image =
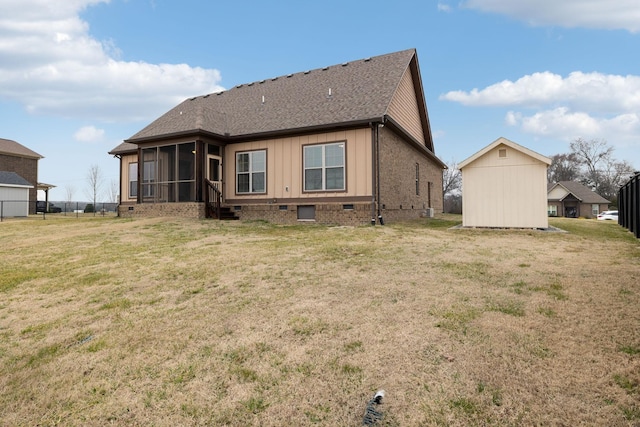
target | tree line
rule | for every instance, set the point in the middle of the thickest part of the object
(590, 162)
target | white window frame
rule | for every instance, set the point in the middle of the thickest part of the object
(132, 189)
(324, 167)
(253, 170)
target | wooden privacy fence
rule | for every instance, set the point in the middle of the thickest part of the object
(629, 205)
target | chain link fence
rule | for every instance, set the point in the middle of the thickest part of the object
(42, 209)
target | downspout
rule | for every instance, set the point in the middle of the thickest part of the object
(378, 127)
(375, 168)
(374, 184)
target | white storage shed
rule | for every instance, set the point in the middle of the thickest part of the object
(504, 185)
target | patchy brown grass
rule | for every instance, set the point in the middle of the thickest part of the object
(178, 322)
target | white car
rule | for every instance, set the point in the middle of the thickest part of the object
(608, 215)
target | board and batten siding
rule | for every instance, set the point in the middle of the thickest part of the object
(507, 191)
(404, 107)
(124, 180)
(285, 166)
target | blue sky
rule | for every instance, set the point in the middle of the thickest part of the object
(79, 76)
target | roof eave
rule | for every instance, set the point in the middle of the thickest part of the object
(22, 156)
(257, 135)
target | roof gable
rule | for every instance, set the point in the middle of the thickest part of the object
(13, 148)
(343, 94)
(408, 107)
(508, 143)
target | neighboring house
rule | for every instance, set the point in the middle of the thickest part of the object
(504, 185)
(573, 200)
(17, 158)
(14, 195)
(345, 144)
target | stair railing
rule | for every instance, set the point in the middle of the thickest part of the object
(213, 199)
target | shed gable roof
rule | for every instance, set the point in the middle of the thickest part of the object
(508, 143)
(339, 95)
(581, 192)
(13, 148)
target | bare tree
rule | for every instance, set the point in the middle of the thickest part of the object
(599, 170)
(612, 176)
(564, 167)
(95, 181)
(451, 188)
(113, 191)
(69, 189)
(592, 155)
(451, 178)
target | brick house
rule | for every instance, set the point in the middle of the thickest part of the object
(345, 144)
(573, 200)
(17, 158)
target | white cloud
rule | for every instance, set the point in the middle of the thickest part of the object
(592, 91)
(442, 7)
(50, 64)
(599, 14)
(590, 105)
(565, 124)
(89, 134)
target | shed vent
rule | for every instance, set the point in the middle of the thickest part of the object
(502, 153)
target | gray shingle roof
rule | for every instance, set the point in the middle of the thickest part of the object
(341, 94)
(582, 192)
(12, 178)
(8, 146)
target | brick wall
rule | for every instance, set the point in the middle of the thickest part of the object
(325, 213)
(183, 210)
(398, 180)
(26, 168)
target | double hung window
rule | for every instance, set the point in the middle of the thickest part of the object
(148, 178)
(133, 180)
(251, 169)
(324, 167)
